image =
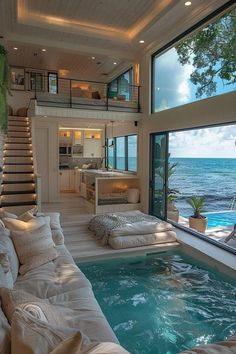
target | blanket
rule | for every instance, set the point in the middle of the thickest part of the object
(124, 224)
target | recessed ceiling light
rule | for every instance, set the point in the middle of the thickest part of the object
(93, 58)
(115, 63)
(141, 41)
(44, 50)
(187, 3)
(15, 48)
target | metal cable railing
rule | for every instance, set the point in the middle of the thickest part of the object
(72, 93)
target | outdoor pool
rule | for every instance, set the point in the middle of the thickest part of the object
(163, 303)
(222, 218)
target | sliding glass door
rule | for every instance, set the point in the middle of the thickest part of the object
(158, 174)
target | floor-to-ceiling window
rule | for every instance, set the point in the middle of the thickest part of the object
(201, 65)
(122, 153)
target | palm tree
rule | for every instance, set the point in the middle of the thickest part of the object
(198, 204)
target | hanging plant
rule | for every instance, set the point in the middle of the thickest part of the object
(4, 87)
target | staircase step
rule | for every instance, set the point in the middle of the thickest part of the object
(17, 153)
(17, 178)
(18, 146)
(14, 182)
(18, 168)
(18, 140)
(18, 123)
(17, 160)
(15, 192)
(14, 128)
(17, 118)
(15, 134)
(13, 204)
(18, 210)
(19, 187)
(18, 198)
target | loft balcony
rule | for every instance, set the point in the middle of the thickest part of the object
(86, 95)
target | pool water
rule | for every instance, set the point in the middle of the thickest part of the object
(223, 218)
(163, 303)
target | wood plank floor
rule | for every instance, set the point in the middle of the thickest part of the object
(78, 239)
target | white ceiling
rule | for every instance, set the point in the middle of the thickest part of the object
(73, 31)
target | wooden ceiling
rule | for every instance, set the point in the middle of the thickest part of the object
(72, 31)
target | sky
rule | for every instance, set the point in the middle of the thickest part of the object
(174, 88)
(214, 142)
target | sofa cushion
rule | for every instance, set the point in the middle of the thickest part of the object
(6, 279)
(54, 220)
(34, 247)
(58, 237)
(5, 334)
(6, 245)
(20, 225)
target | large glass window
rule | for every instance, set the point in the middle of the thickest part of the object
(110, 154)
(120, 88)
(196, 170)
(200, 66)
(52, 83)
(122, 153)
(132, 153)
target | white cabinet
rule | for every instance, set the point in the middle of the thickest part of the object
(77, 181)
(92, 148)
(67, 180)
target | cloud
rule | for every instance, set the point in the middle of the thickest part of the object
(172, 83)
(208, 142)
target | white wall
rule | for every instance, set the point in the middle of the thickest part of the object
(19, 99)
(45, 141)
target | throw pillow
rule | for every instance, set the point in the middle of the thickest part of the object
(58, 237)
(34, 247)
(96, 95)
(6, 246)
(54, 219)
(40, 309)
(19, 225)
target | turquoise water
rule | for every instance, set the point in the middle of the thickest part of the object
(226, 218)
(163, 303)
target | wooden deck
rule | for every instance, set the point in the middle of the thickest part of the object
(79, 240)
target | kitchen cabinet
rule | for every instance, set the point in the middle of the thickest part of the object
(67, 180)
(92, 148)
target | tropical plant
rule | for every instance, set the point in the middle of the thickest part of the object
(4, 87)
(211, 51)
(198, 204)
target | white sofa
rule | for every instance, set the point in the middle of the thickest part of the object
(79, 325)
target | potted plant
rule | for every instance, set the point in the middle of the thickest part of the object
(197, 221)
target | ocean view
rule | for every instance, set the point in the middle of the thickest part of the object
(214, 178)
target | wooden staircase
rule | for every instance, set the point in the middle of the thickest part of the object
(18, 186)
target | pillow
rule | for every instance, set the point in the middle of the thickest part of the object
(5, 334)
(6, 279)
(24, 217)
(32, 336)
(85, 94)
(54, 220)
(19, 225)
(40, 309)
(34, 247)
(6, 246)
(96, 95)
(58, 237)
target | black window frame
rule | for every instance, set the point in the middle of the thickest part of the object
(117, 79)
(126, 152)
(52, 73)
(177, 225)
(180, 37)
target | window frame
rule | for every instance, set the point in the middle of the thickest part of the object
(175, 224)
(117, 79)
(56, 74)
(178, 39)
(125, 150)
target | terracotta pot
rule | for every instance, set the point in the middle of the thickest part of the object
(198, 224)
(173, 215)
